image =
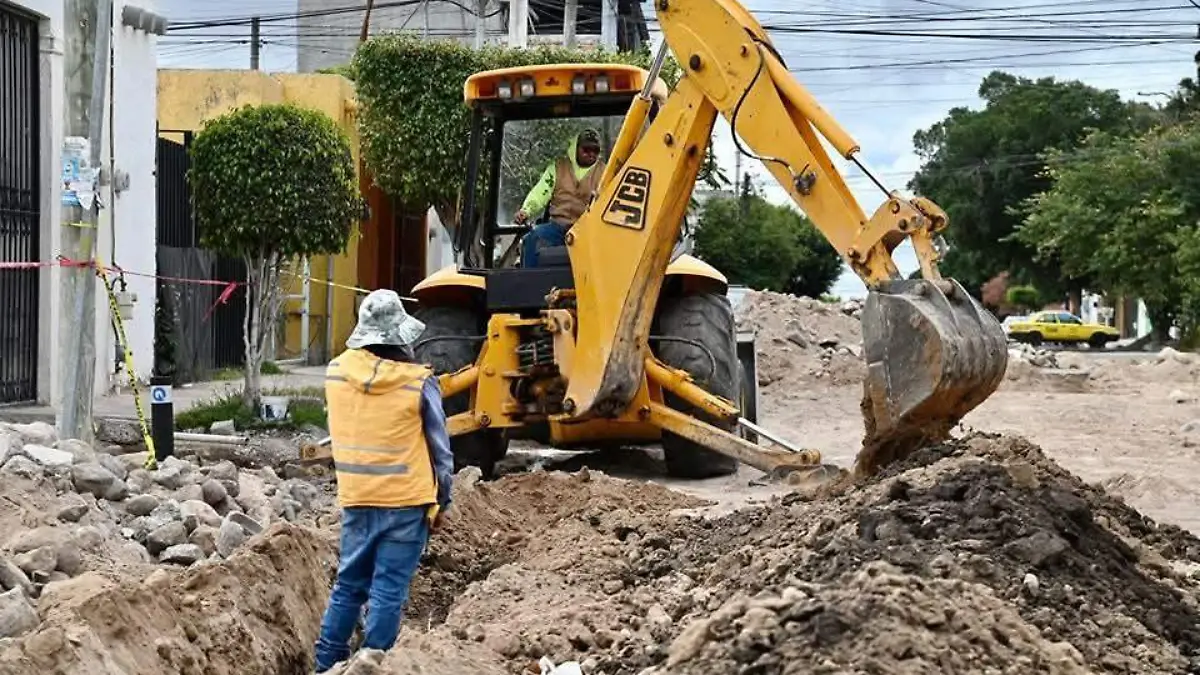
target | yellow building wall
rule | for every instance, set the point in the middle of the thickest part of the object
(187, 98)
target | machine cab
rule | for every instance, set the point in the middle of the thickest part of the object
(522, 120)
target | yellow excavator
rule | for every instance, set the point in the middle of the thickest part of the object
(619, 338)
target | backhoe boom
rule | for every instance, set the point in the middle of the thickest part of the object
(933, 354)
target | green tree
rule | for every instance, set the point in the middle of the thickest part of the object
(1123, 211)
(270, 183)
(1025, 297)
(764, 246)
(980, 164)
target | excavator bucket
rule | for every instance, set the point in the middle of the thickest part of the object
(933, 354)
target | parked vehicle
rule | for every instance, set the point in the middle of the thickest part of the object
(1061, 328)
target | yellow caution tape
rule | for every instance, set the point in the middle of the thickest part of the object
(151, 462)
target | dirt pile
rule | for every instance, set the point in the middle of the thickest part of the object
(802, 340)
(1058, 577)
(78, 524)
(976, 555)
(256, 614)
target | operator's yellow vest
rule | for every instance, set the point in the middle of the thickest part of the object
(572, 195)
(379, 449)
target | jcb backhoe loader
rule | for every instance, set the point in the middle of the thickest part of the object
(615, 338)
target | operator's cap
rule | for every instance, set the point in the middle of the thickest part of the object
(588, 137)
(382, 320)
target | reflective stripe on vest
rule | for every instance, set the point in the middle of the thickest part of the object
(378, 438)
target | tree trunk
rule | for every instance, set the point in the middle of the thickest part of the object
(1161, 319)
(263, 302)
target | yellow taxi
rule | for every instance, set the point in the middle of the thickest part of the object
(1062, 328)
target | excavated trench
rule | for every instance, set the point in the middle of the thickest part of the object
(1058, 576)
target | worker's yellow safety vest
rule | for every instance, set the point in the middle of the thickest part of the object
(379, 449)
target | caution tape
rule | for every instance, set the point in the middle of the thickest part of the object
(345, 287)
(151, 462)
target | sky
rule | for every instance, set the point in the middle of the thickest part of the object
(883, 68)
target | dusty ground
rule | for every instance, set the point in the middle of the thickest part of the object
(1051, 537)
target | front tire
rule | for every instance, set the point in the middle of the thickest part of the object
(1098, 341)
(446, 345)
(702, 324)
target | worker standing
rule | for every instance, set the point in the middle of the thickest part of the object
(566, 187)
(394, 467)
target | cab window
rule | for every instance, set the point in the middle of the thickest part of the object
(1045, 318)
(1067, 317)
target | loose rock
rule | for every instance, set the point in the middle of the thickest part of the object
(22, 466)
(229, 538)
(141, 505)
(48, 457)
(166, 536)
(182, 554)
(213, 491)
(17, 616)
(92, 478)
(72, 508)
(40, 560)
(37, 433)
(195, 513)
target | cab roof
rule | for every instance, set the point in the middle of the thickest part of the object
(553, 81)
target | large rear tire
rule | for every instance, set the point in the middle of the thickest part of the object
(693, 320)
(451, 349)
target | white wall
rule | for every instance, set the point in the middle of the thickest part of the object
(439, 251)
(130, 217)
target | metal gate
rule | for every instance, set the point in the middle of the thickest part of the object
(20, 205)
(195, 334)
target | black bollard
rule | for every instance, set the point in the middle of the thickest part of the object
(162, 417)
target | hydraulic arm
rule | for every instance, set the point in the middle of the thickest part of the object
(933, 354)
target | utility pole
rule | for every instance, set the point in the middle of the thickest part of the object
(518, 23)
(480, 23)
(87, 32)
(255, 42)
(426, 8)
(608, 23)
(570, 18)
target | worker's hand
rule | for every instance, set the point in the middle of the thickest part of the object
(521, 217)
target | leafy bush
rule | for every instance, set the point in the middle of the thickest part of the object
(1025, 297)
(765, 246)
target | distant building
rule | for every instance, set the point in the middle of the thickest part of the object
(328, 40)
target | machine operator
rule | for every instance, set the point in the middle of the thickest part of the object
(566, 187)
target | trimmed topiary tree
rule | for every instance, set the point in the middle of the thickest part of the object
(269, 183)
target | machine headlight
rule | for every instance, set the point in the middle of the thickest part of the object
(601, 84)
(527, 87)
(578, 85)
(504, 88)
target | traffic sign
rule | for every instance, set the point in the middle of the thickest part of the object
(160, 393)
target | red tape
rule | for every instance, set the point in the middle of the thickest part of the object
(229, 287)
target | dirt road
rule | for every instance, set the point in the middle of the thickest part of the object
(653, 576)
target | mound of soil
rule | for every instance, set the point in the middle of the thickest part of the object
(980, 555)
(1058, 576)
(256, 614)
(492, 524)
(802, 340)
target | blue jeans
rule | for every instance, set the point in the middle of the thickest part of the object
(380, 551)
(546, 234)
